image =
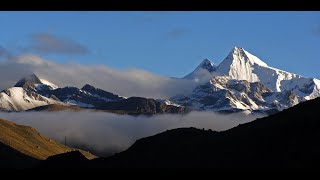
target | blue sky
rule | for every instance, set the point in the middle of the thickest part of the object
(167, 43)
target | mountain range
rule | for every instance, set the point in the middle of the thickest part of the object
(244, 82)
(31, 92)
(241, 82)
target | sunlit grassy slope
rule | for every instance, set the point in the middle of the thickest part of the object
(28, 141)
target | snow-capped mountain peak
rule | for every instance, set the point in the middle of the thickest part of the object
(240, 56)
(19, 99)
(205, 69)
(26, 94)
(240, 64)
(31, 79)
(271, 88)
(34, 82)
(207, 64)
(239, 53)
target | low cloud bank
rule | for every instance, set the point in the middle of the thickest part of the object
(107, 133)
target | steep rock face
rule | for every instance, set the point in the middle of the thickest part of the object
(222, 93)
(107, 96)
(238, 66)
(88, 96)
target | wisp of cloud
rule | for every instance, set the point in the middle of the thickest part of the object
(107, 133)
(48, 43)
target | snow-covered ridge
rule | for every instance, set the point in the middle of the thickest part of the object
(17, 99)
(31, 91)
(252, 58)
(242, 65)
(25, 94)
(53, 86)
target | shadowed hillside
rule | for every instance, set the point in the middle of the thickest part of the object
(11, 158)
(286, 139)
(73, 159)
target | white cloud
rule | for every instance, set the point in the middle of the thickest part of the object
(130, 82)
(108, 133)
(30, 59)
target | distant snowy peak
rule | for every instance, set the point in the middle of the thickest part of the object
(33, 82)
(205, 69)
(208, 65)
(30, 79)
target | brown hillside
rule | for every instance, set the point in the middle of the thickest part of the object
(28, 141)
